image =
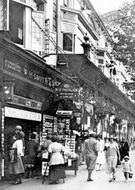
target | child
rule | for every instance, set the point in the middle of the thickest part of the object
(126, 168)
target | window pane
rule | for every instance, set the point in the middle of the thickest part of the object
(67, 42)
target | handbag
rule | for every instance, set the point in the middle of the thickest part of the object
(13, 155)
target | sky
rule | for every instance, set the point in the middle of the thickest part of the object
(103, 6)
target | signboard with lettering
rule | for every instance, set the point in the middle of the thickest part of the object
(24, 68)
(49, 126)
(25, 102)
(66, 91)
(22, 114)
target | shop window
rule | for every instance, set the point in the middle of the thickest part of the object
(68, 42)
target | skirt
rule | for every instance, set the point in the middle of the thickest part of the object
(16, 167)
(56, 172)
(111, 164)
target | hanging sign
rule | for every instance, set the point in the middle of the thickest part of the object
(66, 91)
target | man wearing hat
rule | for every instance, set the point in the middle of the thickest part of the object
(91, 152)
(112, 153)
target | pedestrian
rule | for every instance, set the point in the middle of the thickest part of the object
(18, 129)
(112, 151)
(56, 163)
(16, 167)
(101, 155)
(127, 168)
(91, 149)
(124, 148)
(31, 153)
(46, 143)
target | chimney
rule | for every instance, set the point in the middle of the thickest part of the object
(86, 46)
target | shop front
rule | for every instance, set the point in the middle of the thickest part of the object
(27, 101)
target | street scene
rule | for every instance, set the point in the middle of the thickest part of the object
(67, 94)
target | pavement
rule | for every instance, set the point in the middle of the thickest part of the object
(79, 182)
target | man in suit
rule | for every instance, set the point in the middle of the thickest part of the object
(91, 149)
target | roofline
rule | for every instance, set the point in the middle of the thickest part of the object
(88, 3)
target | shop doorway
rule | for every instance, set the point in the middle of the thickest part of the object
(27, 126)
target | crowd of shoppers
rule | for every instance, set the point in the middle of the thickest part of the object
(26, 158)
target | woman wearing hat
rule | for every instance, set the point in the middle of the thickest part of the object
(56, 163)
(16, 167)
(112, 151)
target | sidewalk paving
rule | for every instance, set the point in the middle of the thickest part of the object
(79, 182)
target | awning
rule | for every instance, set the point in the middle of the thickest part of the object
(79, 66)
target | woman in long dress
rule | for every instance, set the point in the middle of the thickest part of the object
(16, 167)
(56, 163)
(101, 155)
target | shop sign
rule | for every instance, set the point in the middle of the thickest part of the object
(31, 72)
(21, 101)
(22, 114)
(64, 113)
(49, 126)
(66, 91)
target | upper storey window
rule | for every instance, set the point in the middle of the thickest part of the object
(16, 22)
(40, 4)
(68, 42)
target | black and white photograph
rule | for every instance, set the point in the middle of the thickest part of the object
(67, 94)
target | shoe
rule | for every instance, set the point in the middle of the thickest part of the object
(114, 178)
(111, 180)
(17, 182)
(90, 179)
